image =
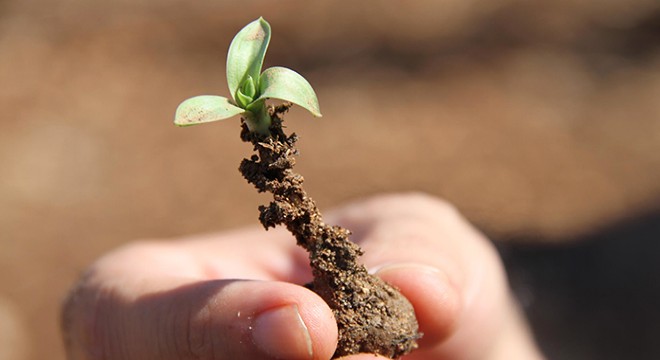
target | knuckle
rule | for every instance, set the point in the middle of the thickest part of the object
(419, 203)
(434, 204)
(132, 250)
(79, 319)
(68, 322)
(198, 337)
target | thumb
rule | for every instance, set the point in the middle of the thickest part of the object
(213, 319)
(363, 357)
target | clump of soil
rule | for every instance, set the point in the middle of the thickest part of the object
(371, 315)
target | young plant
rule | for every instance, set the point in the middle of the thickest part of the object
(249, 86)
(371, 315)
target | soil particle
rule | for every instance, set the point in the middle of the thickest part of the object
(371, 315)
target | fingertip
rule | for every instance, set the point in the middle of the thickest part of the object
(436, 300)
(321, 324)
(290, 321)
(363, 357)
(279, 320)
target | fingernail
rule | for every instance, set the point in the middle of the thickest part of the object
(282, 334)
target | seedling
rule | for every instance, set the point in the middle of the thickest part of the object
(249, 87)
(371, 315)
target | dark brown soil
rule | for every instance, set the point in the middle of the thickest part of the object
(371, 315)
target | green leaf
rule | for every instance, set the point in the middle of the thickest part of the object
(246, 92)
(248, 88)
(286, 84)
(242, 100)
(203, 109)
(246, 54)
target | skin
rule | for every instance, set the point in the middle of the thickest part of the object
(237, 295)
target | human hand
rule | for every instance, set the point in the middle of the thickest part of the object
(238, 295)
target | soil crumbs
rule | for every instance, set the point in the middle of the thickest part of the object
(372, 316)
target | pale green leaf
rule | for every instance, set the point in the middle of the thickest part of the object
(246, 54)
(286, 84)
(203, 109)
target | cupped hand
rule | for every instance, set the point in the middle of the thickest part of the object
(239, 294)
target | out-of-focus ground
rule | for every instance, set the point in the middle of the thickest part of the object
(539, 120)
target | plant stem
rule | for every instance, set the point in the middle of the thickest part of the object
(371, 316)
(257, 118)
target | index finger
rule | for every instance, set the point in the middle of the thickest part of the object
(450, 272)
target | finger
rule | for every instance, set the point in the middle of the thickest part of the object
(133, 305)
(250, 253)
(222, 319)
(436, 301)
(464, 310)
(363, 357)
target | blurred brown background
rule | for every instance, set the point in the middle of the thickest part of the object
(539, 120)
